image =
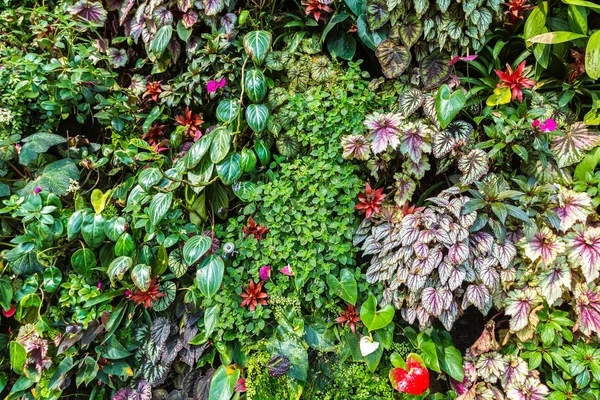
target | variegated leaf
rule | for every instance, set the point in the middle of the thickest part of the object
(377, 14)
(415, 141)
(584, 247)
(435, 301)
(458, 253)
(415, 282)
(571, 147)
(554, 280)
(504, 252)
(449, 316)
(457, 276)
(409, 315)
(483, 242)
(394, 58)
(411, 30)
(213, 7)
(519, 305)
(487, 273)
(405, 188)
(434, 69)
(473, 166)
(574, 207)
(479, 296)
(410, 101)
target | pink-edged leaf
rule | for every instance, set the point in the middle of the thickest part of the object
(473, 166)
(544, 245)
(415, 141)
(458, 253)
(213, 7)
(571, 147)
(588, 308)
(584, 247)
(504, 252)
(479, 296)
(184, 5)
(189, 19)
(435, 301)
(519, 304)
(162, 16)
(554, 281)
(574, 207)
(385, 130)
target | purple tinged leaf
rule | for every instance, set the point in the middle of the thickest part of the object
(385, 130)
(423, 317)
(445, 271)
(417, 170)
(213, 7)
(504, 252)
(409, 315)
(421, 250)
(479, 296)
(519, 305)
(491, 366)
(571, 147)
(184, 5)
(356, 146)
(587, 301)
(574, 207)
(405, 188)
(457, 276)
(487, 272)
(435, 301)
(531, 389)
(228, 22)
(88, 10)
(544, 244)
(434, 259)
(584, 246)
(189, 19)
(483, 242)
(136, 28)
(409, 231)
(554, 280)
(118, 57)
(415, 282)
(124, 10)
(162, 16)
(415, 141)
(449, 316)
(458, 253)
(517, 370)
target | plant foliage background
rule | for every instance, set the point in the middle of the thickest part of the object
(326, 199)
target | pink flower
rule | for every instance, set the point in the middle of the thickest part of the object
(536, 123)
(212, 86)
(221, 83)
(240, 386)
(548, 126)
(456, 59)
(99, 285)
(127, 293)
(287, 270)
(37, 190)
(265, 272)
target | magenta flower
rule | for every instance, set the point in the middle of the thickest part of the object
(287, 270)
(536, 123)
(99, 285)
(240, 386)
(548, 126)
(265, 272)
(127, 293)
(456, 59)
(221, 83)
(37, 190)
(213, 85)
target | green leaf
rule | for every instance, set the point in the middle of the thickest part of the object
(555, 37)
(74, 225)
(169, 289)
(125, 246)
(98, 200)
(230, 169)
(452, 363)
(262, 151)
(448, 105)
(161, 261)
(583, 3)
(341, 44)
(183, 32)
(588, 164)
(434, 69)
(60, 374)
(229, 109)
(394, 58)
(220, 144)
(592, 56)
(118, 267)
(257, 116)
(536, 23)
(411, 30)
(377, 13)
(374, 319)
(87, 372)
(160, 204)
(257, 45)
(247, 160)
(578, 19)
(155, 113)
(428, 351)
(211, 319)
(38, 143)
(346, 289)
(149, 177)
(210, 275)
(6, 294)
(177, 265)
(223, 383)
(55, 178)
(195, 248)
(18, 356)
(141, 276)
(358, 7)
(162, 39)
(198, 150)
(255, 85)
(372, 360)
(52, 279)
(339, 16)
(502, 95)
(369, 38)
(92, 230)
(83, 261)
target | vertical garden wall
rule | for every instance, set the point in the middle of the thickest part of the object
(327, 199)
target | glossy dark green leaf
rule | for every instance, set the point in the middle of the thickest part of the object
(210, 275)
(257, 116)
(82, 261)
(160, 204)
(221, 144)
(195, 248)
(230, 169)
(257, 45)
(255, 85)
(92, 230)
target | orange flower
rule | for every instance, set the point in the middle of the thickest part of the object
(191, 122)
(254, 296)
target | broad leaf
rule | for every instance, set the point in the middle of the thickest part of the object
(394, 58)
(213, 7)
(584, 248)
(195, 248)
(346, 288)
(434, 70)
(571, 147)
(435, 301)
(118, 267)
(141, 276)
(220, 144)
(257, 116)
(473, 166)
(257, 44)
(210, 275)
(38, 143)
(159, 206)
(230, 169)
(199, 149)
(92, 229)
(228, 110)
(592, 56)
(255, 85)
(162, 39)
(374, 319)
(410, 101)
(83, 261)
(377, 13)
(410, 31)
(448, 105)
(177, 264)
(149, 177)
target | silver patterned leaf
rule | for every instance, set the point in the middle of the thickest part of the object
(432, 262)
(435, 301)
(410, 101)
(571, 147)
(487, 273)
(415, 282)
(479, 296)
(371, 246)
(409, 315)
(444, 271)
(483, 242)
(458, 253)
(473, 166)
(457, 276)
(421, 250)
(423, 317)
(504, 252)
(160, 330)
(554, 281)
(449, 316)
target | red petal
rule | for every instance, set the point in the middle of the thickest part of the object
(11, 311)
(520, 69)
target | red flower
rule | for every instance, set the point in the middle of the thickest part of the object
(349, 317)
(412, 380)
(254, 296)
(11, 311)
(149, 296)
(317, 7)
(191, 122)
(153, 89)
(370, 201)
(156, 138)
(516, 10)
(515, 80)
(578, 66)
(408, 209)
(253, 229)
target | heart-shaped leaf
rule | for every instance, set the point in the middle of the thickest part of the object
(257, 116)
(374, 319)
(412, 380)
(377, 13)
(255, 85)
(257, 44)
(394, 58)
(434, 70)
(368, 345)
(345, 288)
(448, 105)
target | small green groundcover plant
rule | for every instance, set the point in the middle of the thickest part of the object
(324, 199)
